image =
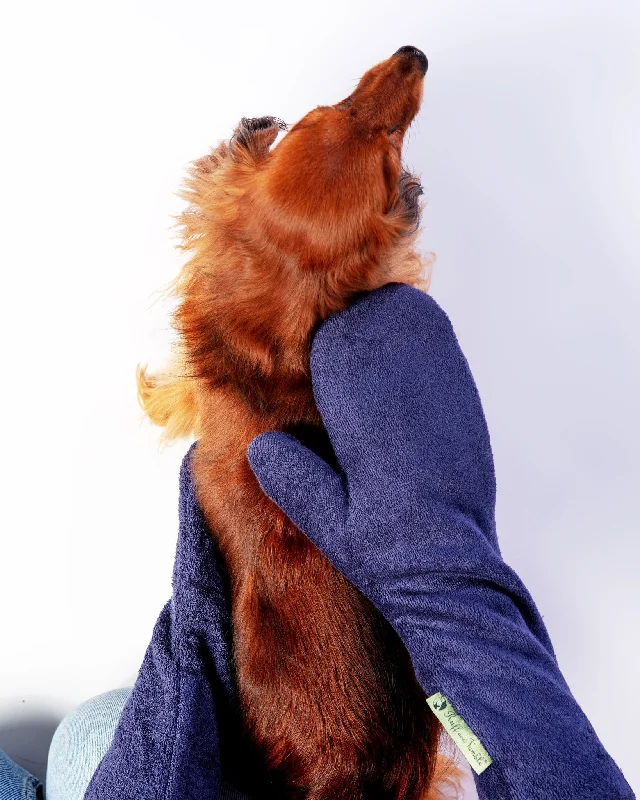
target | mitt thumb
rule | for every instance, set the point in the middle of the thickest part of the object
(309, 491)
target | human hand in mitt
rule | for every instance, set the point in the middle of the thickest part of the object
(410, 520)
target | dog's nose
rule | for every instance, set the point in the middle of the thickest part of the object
(409, 50)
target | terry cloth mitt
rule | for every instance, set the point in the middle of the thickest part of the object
(409, 520)
(167, 744)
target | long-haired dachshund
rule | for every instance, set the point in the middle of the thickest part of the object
(280, 238)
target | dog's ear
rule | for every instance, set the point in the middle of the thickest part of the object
(256, 135)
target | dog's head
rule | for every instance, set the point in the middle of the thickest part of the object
(337, 176)
(332, 191)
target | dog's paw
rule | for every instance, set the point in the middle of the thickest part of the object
(256, 134)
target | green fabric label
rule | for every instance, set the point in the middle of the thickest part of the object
(460, 732)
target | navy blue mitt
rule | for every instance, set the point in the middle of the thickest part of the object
(409, 520)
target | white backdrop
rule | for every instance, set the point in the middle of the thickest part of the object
(527, 147)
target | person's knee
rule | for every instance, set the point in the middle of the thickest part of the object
(80, 742)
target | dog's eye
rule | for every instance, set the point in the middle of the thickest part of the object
(393, 130)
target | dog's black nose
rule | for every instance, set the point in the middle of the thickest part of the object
(409, 50)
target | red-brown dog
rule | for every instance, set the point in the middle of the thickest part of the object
(280, 239)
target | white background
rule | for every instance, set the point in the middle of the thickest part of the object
(527, 146)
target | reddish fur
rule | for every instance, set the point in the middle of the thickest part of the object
(280, 239)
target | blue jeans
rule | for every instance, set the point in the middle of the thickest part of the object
(78, 745)
(77, 748)
(16, 783)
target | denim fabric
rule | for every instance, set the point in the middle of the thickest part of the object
(79, 744)
(16, 783)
